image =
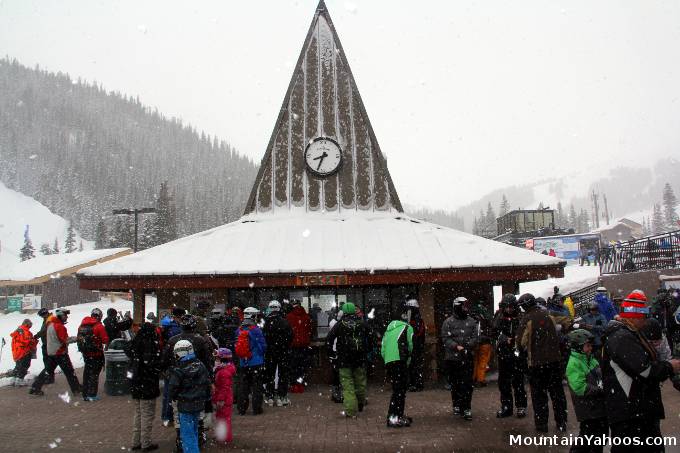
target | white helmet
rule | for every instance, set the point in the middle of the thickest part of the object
(412, 303)
(601, 289)
(274, 305)
(183, 348)
(459, 300)
(250, 312)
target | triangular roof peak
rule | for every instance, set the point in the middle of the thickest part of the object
(323, 154)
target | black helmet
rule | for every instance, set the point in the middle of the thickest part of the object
(579, 337)
(43, 312)
(187, 322)
(508, 299)
(526, 301)
(111, 312)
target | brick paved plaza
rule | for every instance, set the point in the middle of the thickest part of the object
(312, 424)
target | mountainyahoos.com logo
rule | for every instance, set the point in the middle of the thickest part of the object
(572, 440)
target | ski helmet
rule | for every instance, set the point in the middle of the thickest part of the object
(183, 348)
(96, 313)
(43, 312)
(460, 306)
(59, 312)
(413, 303)
(274, 305)
(507, 300)
(526, 301)
(601, 289)
(579, 337)
(250, 312)
(223, 353)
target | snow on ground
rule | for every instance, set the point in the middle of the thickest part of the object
(575, 277)
(19, 210)
(9, 323)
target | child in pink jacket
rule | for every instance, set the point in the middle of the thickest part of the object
(223, 395)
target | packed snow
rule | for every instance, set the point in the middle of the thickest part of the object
(10, 321)
(43, 265)
(290, 242)
(19, 210)
(575, 277)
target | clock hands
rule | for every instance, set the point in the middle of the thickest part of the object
(320, 159)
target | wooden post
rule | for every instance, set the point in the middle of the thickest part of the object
(138, 306)
(426, 302)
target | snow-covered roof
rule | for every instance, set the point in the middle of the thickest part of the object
(46, 265)
(351, 241)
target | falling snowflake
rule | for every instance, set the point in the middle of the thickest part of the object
(142, 28)
(65, 397)
(251, 284)
(32, 156)
(306, 233)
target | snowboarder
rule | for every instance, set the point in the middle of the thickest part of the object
(190, 387)
(538, 336)
(57, 350)
(460, 336)
(144, 353)
(23, 349)
(396, 349)
(417, 364)
(278, 335)
(587, 393)
(92, 338)
(250, 348)
(301, 323)
(632, 377)
(349, 337)
(114, 326)
(223, 394)
(511, 362)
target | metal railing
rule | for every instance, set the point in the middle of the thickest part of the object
(582, 297)
(661, 251)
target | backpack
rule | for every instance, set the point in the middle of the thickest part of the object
(351, 341)
(242, 348)
(87, 341)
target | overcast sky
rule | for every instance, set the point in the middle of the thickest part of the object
(464, 96)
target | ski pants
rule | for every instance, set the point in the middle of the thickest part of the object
(64, 362)
(223, 431)
(637, 427)
(460, 374)
(167, 412)
(250, 381)
(595, 427)
(188, 431)
(353, 381)
(416, 367)
(93, 366)
(397, 372)
(142, 425)
(482, 357)
(547, 379)
(272, 362)
(299, 361)
(511, 380)
(46, 360)
(21, 367)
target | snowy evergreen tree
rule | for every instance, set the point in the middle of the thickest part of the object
(583, 222)
(475, 226)
(645, 226)
(55, 247)
(504, 208)
(573, 218)
(101, 240)
(45, 249)
(27, 251)
(670, 202)
(166, 221)
(657, 219)
(80, 246)
(560, 221)
(70, 243)
(123, 233)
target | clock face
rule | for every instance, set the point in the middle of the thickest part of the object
(323, 156)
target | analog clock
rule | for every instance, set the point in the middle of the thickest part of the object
(323, 156)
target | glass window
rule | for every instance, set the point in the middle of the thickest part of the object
(242, 298)
(377, 308)
(323, 309)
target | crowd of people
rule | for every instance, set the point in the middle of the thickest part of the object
(613, 358)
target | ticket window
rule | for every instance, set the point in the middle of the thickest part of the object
(322, 310)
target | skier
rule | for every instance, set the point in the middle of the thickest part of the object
(278, 336)
(349, 337)
(57, 351)
(396, 349)
(23, 349)
(595, 323)
(301, 323)
(169, 328)
(45, 315)
(250, 348)
(92, 338)
(606, 307)
(417, 364)
(223, 394)
(190, 387)
(332, 352)
(632, 377)
(587, 393)
(511, 362)
(144, 352)
(538, 336)
(460, 336)
(114, 327)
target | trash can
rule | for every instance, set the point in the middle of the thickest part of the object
(116, 382)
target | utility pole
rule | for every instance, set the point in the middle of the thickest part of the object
(606, 208)
(596, 210)
(135, 212)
